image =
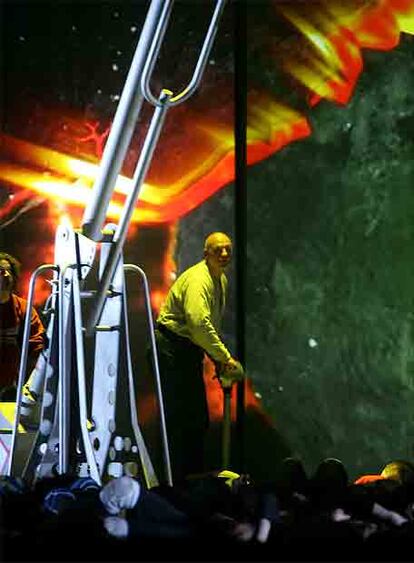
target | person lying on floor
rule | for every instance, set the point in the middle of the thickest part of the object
(215, 504)
(221, 506)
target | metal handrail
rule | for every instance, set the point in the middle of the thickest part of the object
(24, 355)
(63, 391)
(192, 86)
(164, 436)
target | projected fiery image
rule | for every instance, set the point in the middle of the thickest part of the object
(206, 281)
(50, 156)
(322, 56)
(63, 80)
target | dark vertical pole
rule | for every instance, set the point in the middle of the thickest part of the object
(240, 116)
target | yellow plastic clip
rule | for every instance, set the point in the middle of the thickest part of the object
(230, 476)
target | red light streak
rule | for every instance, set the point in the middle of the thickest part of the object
(98, 139)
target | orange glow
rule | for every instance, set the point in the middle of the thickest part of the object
(215, 394)
(324, 57)
(331, 36)
(56, 162)
(330, 61)
(380, 27)
(168, 271)
(195, 157)
(157, 298)
(43, 287)
(58, 190)
(67, 180)
(271, 126)
(368, 479)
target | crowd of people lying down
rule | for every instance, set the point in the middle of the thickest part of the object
(216, 516)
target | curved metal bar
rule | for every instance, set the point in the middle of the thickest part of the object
(166, 452)
(122, 128)
(24, 355)
(128, 209)
(192, 86)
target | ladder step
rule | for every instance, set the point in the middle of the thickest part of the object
(105, 328)
(92, 292)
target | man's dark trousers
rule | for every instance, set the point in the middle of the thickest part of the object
(185, 403)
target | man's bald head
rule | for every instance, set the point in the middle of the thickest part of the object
(217, 252)
(215, 239)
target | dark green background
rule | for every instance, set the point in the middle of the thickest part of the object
(330, 257)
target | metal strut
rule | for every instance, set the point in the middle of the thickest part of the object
(139, 74)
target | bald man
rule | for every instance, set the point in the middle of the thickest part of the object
(188, 327)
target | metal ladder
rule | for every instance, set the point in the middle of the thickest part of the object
(94, 443)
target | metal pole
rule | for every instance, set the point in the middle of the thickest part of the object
(240, 227)
(226, 431)
(143, 164)
(123, 126)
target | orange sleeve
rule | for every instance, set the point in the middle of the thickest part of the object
(368, 479)
(37, 333)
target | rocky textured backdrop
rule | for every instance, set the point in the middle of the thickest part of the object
(330, 285)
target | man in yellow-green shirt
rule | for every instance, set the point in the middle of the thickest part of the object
(188, 327)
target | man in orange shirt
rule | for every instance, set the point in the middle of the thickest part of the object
(12, 315)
